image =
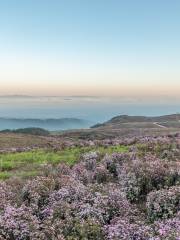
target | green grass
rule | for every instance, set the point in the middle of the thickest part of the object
(27, 174)
(19, 163)
(5, 175)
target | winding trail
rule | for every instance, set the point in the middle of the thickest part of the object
(159, 125)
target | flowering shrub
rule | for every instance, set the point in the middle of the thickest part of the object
(105, 206)
(6, 195)
(19, 223)
(163, 203)
(111, 165)
(101, 174)
(140, 177)
(167, 229)
(122, 229)
(90, 160)
(80, 173)
(62, 169)
(89, 229)
(36, 192)
(114, 161)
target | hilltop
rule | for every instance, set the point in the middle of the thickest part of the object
(123, 120)
(125, 125)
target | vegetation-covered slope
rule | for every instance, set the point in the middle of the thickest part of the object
(111, 189)
(141, 121)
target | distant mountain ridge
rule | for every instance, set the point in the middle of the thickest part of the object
(49, 123)
(43, 119)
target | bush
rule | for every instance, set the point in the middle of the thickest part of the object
(6, 195)
(140, 177)
(36, 192)
(19, 223)
(163, 203)
(101, 174)
(103, 207)
(123, 229)
(90, 160)
(89, 229)
(167, 229)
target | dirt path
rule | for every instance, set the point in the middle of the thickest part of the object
(159, 125)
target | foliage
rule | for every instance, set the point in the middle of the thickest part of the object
(31, 131)
(96, 190)
(163, 203)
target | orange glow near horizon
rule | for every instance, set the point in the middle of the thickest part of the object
(93, 89)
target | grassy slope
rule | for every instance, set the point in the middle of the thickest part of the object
(12, 140)
(27, 164)
(129, 126)
(30, 163)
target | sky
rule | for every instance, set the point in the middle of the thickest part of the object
(90, 47)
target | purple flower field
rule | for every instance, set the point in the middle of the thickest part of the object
(130, 196)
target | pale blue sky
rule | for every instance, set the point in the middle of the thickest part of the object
(90, 47)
